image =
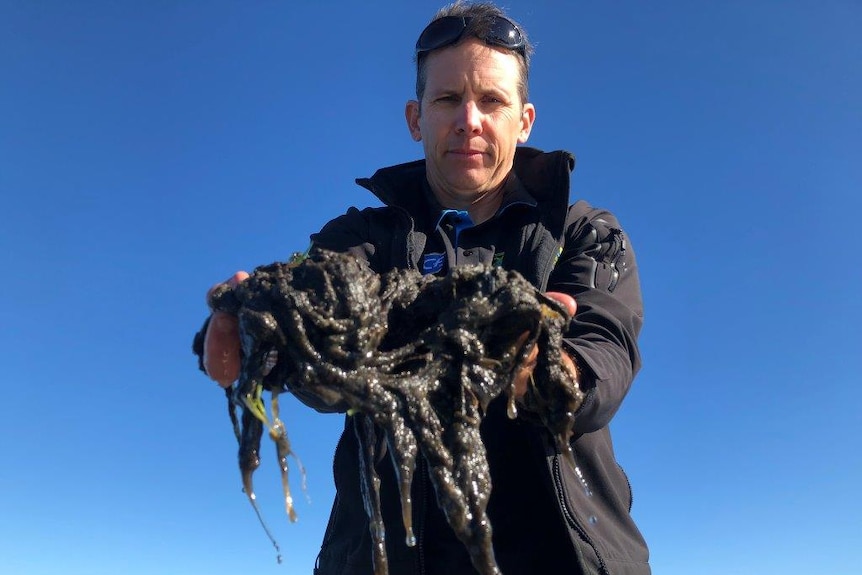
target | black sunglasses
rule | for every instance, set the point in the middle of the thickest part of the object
(448, 30)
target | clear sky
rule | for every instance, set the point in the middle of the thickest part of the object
(149, 149)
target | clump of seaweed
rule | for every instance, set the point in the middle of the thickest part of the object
(414, 358)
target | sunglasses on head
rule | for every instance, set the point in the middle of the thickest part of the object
(448, 30)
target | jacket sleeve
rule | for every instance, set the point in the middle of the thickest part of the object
(347, 233)
(598, 268)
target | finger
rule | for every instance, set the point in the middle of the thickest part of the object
(520, 379)
(237, 278)
(524, 370)
(532, 354)
(232, 281)
(222, 348)
(532, 357)
(568, 301)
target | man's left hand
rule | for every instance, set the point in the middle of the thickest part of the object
(525, 370)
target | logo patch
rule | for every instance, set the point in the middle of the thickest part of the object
(557, 257)
(498, 259)
(433, 263)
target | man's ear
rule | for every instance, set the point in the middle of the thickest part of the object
(528, 116)
(411, 114)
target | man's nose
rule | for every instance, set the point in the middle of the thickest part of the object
(470, 118)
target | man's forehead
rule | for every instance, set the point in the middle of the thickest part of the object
(475, 61)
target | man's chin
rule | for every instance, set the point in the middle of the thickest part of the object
(460, 178)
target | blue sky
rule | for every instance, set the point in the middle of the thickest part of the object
(149, 149)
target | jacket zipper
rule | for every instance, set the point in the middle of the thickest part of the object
(628, 483)
(570, 516)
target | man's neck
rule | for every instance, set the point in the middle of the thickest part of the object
(480, 209)
(485, 207)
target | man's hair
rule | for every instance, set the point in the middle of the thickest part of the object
(482, 15)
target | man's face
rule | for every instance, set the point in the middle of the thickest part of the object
(470, 122)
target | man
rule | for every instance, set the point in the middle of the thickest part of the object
(479, 198)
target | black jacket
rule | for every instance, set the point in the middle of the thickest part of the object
(547, 516)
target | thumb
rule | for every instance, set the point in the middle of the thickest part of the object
(568, 301)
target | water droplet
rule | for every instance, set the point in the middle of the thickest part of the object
(511, 408)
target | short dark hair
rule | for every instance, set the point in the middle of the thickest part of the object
(481, 15)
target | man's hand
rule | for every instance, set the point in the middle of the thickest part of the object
(525, 370)
(221, 342)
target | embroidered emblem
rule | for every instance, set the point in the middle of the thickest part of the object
(498, 259)
(432, 263)
(557, 257)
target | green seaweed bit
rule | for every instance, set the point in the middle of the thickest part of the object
(418, 358)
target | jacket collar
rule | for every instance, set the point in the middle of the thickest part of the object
(544, 176)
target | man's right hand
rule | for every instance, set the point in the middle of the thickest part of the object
(221, 342)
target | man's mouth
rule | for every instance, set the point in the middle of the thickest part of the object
(466, 153)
